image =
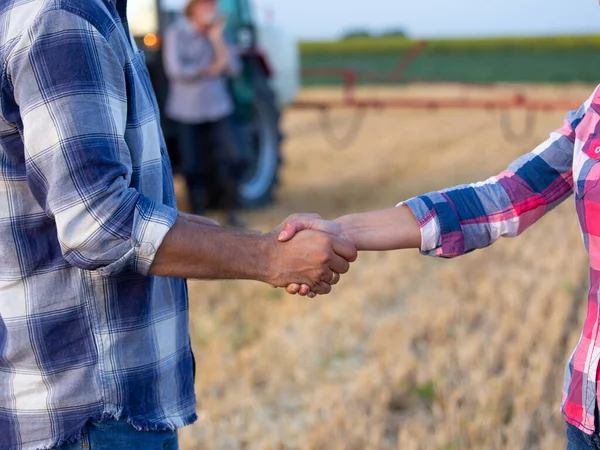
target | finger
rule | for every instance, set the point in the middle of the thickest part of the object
(293, 289)
(344, 248)
(339, 264)
(304, 290)
(327, 275)
(322, 288)
(311, 294)
(336, 279)
(332, 277)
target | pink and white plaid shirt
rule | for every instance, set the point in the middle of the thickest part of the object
(464, 218)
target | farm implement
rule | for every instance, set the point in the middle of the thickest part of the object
(349, 98)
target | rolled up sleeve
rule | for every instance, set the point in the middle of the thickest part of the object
(464, 218)
(71, 90)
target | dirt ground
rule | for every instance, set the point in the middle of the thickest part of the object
(408, 352)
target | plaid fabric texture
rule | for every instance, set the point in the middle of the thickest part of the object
(464, 218)
(86, 197)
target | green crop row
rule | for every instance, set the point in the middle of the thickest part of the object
(394, 44)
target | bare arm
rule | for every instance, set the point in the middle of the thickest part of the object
(222, 60)
(176, 70)
(192, 249)
(388, 229)
(459, 220)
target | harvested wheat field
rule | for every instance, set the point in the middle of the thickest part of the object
(408, 352)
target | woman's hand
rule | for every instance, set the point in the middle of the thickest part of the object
(388, 229)
(215, 29)
(299, 222)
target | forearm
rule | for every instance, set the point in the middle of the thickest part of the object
(194, 250)
(388, 229)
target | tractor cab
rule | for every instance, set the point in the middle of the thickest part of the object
(269, 81)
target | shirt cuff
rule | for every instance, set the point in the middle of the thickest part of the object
(441, 233)
(151, 222)
(431, 237)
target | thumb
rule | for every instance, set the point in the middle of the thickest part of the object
(289, 230)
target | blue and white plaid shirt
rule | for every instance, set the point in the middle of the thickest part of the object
(86, 197)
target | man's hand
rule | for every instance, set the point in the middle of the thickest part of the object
(313, 259)
(329, 276)
(299, 222)
(201, 250)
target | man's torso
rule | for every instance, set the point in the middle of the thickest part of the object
(75, 344)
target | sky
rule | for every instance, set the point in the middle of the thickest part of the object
(327, 19)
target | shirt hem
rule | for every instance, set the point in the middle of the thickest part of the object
(577, 423)
(169, 424)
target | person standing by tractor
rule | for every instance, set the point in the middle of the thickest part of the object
(198, 62)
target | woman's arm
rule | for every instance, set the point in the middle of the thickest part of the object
(388, 229)
(464, 218)
(458, 220)
(222, 59)
(176, 69)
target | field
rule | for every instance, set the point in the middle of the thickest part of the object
(562, 59)
(408, 352)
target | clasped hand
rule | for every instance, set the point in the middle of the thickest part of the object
(306, 254)
(316, 254)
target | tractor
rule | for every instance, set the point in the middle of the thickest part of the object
(269, 81)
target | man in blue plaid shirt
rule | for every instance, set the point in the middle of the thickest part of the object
(94, 342)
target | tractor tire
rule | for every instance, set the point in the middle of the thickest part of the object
(265, 138)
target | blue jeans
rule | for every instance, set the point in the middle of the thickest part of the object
(212, 151)
(117, 435)
(578, 440)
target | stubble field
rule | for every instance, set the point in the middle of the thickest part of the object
(408, 352)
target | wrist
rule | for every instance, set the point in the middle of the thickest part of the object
(265, 265)
(348, 229)
(217, 39)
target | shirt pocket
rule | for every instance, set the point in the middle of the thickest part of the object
(588, 174)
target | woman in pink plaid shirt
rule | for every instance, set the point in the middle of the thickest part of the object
(458, 220)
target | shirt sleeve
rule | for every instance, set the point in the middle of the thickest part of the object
(175, 67)
(70, 91)
(464, 218)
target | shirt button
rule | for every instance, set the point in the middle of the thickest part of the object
(597, 150)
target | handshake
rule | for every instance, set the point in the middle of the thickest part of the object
(305, 254)
(310, 255)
